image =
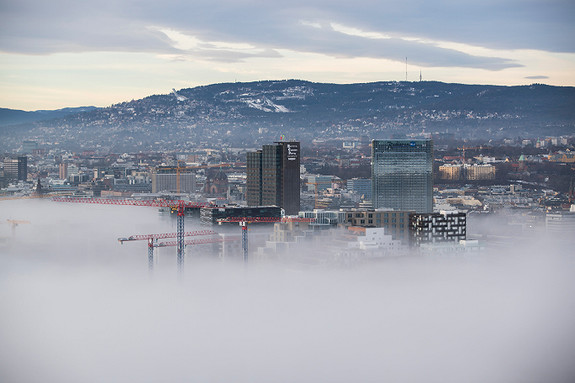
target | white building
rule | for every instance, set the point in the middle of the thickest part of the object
(561, 224)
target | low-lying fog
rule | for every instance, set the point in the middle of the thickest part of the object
(76, 306)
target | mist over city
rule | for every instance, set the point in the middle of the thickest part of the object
(312, 191)
(78, 306)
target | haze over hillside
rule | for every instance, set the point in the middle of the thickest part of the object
(244, 114)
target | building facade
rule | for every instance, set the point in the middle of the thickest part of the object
(319, 183)
(438, 227)
(477, 172)
(63, 171)
(360, 186)
(16, 168)
(451, 172)
(402, 175)
(561, 224)
(168, 182)
(273, 176)
(396, 223)
(211, 215)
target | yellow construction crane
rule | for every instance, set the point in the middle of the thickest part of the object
(15, 223)
(315, 184)
(181, 168)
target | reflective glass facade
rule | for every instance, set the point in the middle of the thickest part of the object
(402, 175)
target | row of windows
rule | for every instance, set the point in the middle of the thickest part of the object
(370, 222)
(378, 215)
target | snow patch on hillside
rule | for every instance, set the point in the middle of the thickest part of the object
(265, 104)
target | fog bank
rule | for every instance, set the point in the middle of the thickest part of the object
(78, 307)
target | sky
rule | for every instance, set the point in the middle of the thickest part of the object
(77, 306)
(65, 53)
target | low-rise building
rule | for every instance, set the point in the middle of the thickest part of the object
(437, 227)
(395, 222)
(211, 215)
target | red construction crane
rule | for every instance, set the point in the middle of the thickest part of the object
(201, 241)
(244, 221)
(153, 240)
(179, 204)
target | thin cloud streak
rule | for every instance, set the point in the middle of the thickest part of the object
(175, 44)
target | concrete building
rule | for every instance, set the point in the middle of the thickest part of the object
(437, 227)
(325, 217)
(168, 182)
(402, 175)
(273, 176)
(376, 242)
(451, 172)
(561, 224)
(63, 171)
(396, 223)
(477, 172)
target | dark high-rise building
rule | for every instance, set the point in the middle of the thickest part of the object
(273, 176)
(402, 175)
(16, 168)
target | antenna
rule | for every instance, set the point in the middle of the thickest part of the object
(420, 75)
(406, 69)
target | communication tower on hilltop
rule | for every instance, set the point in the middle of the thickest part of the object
(406, 69)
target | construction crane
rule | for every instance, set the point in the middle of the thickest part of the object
(315, 205)
(201, 241)
(180, 205)
(464, 148)
(153, 241)
(15, 223)
(183, 168)
(244, 221)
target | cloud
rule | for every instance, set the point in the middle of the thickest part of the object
(413, 28)
(536, 77)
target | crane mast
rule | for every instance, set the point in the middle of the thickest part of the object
(180, 205)
(244, 221)
(180, 237)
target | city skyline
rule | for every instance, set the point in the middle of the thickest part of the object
(65, 54)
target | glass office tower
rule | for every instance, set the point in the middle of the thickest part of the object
(402, 175)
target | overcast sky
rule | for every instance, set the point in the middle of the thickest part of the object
(74, 52)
